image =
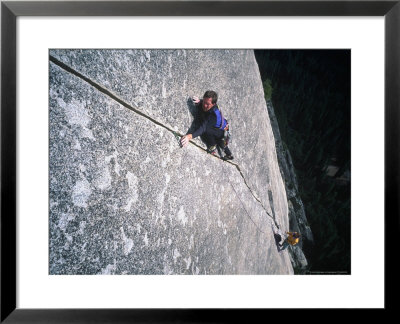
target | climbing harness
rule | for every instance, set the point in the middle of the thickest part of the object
(224, 124)
(227, 135)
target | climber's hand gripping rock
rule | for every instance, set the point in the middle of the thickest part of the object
(185, 139)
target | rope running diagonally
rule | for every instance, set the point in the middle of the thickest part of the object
(237, 195)
(136, 110)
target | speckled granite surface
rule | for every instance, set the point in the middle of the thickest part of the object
(126, 199)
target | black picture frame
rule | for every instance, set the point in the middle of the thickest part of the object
(11, 10)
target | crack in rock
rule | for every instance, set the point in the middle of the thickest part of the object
(177, 134)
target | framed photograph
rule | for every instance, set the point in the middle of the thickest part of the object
(99, 138)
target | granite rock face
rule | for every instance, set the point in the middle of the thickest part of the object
(126, 199)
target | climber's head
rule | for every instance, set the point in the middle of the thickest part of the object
(209, 100)
(211, 94)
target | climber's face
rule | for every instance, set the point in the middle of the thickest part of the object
(207, 104)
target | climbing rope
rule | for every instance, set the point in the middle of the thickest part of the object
(237, 195)
(176, 134)
(251, 191)
(271, 218)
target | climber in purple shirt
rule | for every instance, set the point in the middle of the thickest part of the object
(213, 126)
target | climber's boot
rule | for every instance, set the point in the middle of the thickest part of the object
(228, 154)
(212, 150)
(227, 157)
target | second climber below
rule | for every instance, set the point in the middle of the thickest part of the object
(292, 239)
(212, 127)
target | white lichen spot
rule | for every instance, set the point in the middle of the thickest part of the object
(169, 241)
(128, 243)
(64, 220)
(82, 226)
(146, 240)
(75, 112)
(88, 134)
(117, 167)
(160, 199)
(191, 242)
(167, 270)
(188, 262)
(53, 94)
(147, 53)
(128, 205)
(61, 102)
(109, 269)
(133, 186)
(77, 145)
(81, 193)
(103, 181)
(115, 246)
(182, 216)
(132, 183)
(53, 204)
(176, 255)
(170, 66)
